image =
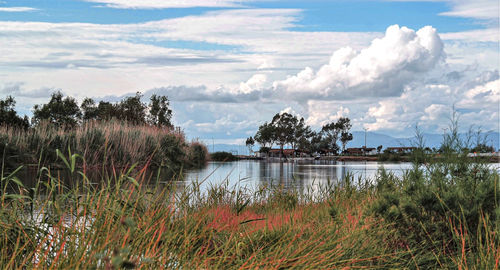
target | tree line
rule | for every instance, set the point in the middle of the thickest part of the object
(286, 129)
(66, 112)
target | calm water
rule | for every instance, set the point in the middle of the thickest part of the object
(250, 174)
(290, 175)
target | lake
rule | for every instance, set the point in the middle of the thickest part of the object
(251, 173)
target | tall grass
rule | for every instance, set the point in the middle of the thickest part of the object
(100, 144)
(442, 213)
(122, 222)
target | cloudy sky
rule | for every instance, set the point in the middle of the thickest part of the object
(227, 66)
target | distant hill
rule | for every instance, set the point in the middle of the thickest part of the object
(373, 139)
(431, 140)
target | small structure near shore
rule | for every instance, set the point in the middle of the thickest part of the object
(361, 151)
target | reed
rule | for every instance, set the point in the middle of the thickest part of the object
(107, 144)
(122, 221)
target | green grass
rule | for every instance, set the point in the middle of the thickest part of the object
(122, 222)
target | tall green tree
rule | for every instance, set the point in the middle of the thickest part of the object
(133, 110)
(265, 135)
(284, 126)
(301, 134)
(332, 132)
(250, 142)
(159, 111)
(8, 114)
(89, 109)
(344, 125)
(60, 111)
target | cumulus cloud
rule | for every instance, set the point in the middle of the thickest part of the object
(476, 98)
(382, 69)
(323, 112)
(257, 81)
(436, 111)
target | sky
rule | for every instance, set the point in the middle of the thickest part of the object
(228, 66)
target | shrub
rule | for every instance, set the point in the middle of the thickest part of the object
(197, 155)
(223, 156)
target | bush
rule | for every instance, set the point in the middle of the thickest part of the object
(223, 156)
(197, 155)
(436, 207)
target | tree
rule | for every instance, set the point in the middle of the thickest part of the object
(132, 110)
(344, 125)
(482, 148)
(250, 143)
(345, 138)
(331, 133)
(107, 111)
(265, 135)
(159, 111)
(89, 109)
(301, 134)
(8, 114)
(59, 111)
(379, 148)
(284, 125)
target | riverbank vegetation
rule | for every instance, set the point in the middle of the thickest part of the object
(444, 214)
(105, 134)
(223, 156)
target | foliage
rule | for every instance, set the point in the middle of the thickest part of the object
(197, 154)
(448, 206)
(287, 129)
(344, 125)
(66, 112)
(265, 135)
(159, 112)
(8, 114)
(223, 156)
(284, 125)
(250, 142)
(133, 110)
(482, 148)
(60, 111)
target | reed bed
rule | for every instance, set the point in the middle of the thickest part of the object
(102, 144)
(122, 222)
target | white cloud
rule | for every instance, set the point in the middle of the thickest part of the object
(161, 4)
(435, 112)
(323, 112)
(430, 105)
(479, 9)
(482, 96)
(257, 81)
(382, 69)
(17, 9)
(118, 58)
(479, 35)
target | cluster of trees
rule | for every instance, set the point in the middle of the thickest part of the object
(65, 111)
(8, 114)
(286, 129)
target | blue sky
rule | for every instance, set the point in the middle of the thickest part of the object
(228, 66)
